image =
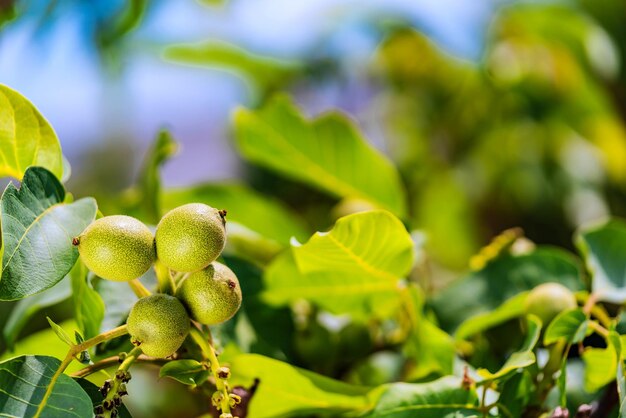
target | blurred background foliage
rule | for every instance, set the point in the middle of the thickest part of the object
(507, 114)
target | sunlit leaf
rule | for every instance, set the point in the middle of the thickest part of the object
(356, 267)
(512, 308)
(570, 325)
(26, 138)
(328, 153)
(300, 391)
(600, 367)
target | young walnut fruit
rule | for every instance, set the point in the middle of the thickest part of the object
(158, 324)
(548, 300)
(118, 247)
(212, 295)
(190, 237)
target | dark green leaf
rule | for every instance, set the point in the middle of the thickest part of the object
(570, 325)
(503, 278)
(37, 233)
(189, 372)
(26, 308)
(27, 138)
(328, 153)
(516, 392)
(604, 249)
(24, 381)
(443, 398)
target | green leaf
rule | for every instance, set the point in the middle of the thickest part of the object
(263, 72)
(188, 372)
(88, 305)
(511, 308)
(356, 267)
(503, 278)
(60, 332)
(443, 398)
(517, 360)
(26, 138)
(269, 218)
(288, 391)
(570, 325)
(604, 249)
(26, 308)
(96, 397)
(24, 381)
(37, 232)
(327, 153)
(600, 367)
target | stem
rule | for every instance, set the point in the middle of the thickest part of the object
(483, 399)
(599, 329)
(112, 361)
(73, 351)
(117, 389)
(209, 353)
(557, 351)
(139, 289)
(166, 283)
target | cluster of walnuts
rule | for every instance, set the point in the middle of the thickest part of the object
(188, 239)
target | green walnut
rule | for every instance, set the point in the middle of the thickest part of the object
(118, 247)
(190, 237)
(158, 324)
(548, 300)
(211, 295)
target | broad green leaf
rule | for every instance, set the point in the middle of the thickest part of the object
(264, 72)
(300, 392)
(24, 381)
(26, 308)
(511, 308)
(356, 267)
(122, 23)
(96, 397)
(604, 249)
(189, 372)
(37, 232)
(88, 305)
(600, 367)
(570, 325)
(258, 213)
(327, 153)
(503, 278)
(26, 138)
(443, 398)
